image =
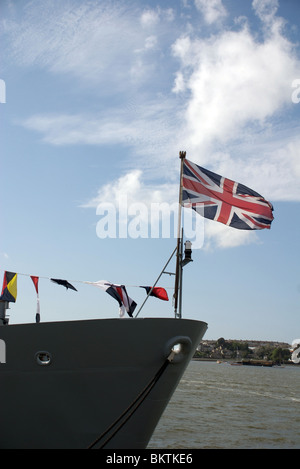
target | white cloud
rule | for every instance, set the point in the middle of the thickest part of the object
(179, 84)
(128, 126)
(220, 97)
(128, 185)
(226, 91)
(134, 207)
(221, 236)
(265, 9)
(134, 187)
(150, 18)
(155, 204)
(5, 255)
(212, 10)
(236, 87)
(93, 41)
(233, 81)
(150, 42)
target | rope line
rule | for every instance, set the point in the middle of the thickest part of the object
(74, 281)
(131, 409)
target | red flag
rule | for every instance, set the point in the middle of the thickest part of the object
(158, 292)
(36, 284)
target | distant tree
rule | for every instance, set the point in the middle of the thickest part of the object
(221, 342)
(264, 352)
(238, 349)
(279, 355)
(247, 353)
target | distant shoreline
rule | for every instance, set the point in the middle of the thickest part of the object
(230, 361)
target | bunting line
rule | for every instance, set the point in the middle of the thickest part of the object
(117, 291)
(77, 281)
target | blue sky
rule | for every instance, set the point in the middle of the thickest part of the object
(99, 99)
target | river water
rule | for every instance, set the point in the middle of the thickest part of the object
(232, 407)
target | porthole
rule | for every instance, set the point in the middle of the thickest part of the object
(43, 358)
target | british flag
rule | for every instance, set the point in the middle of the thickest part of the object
(223, 200)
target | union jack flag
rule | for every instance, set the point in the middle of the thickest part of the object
(223, 200)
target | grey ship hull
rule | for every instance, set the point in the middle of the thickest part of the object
(92, 372)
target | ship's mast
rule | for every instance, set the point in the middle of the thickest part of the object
(182, 258)
(182, 155)
(180, 261)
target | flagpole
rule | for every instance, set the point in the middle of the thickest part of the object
(182, 155)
